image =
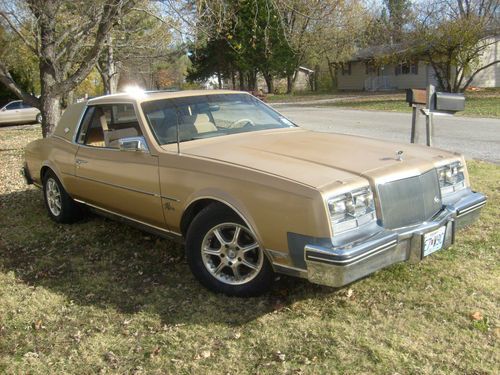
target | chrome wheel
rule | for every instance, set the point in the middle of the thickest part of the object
(53, 195)
(231, 253)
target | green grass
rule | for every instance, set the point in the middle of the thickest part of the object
(101, 297)
(485, 103)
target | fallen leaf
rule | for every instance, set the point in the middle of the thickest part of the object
(476, 315)
(205, 354)
(37, 325)
(280, 356)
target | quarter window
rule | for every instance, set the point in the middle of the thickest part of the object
(14, 105)
(104, 125)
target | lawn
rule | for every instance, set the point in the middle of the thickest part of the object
(484, 103)
(101, 297)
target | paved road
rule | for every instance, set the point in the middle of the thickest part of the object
(477, 138)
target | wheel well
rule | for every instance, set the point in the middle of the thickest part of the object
(195, 208)
(44, 170)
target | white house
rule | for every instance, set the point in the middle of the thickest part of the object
(361, 74)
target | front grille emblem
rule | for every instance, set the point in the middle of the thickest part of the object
(436, 199)
(399, 155)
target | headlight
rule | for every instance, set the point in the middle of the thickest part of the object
(451, 178)
(352, 210)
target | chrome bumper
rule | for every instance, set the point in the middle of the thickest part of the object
(341, 265)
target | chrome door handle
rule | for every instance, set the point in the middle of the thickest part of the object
(80, 161)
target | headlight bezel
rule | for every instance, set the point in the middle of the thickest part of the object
(351, 210)
(452, 178)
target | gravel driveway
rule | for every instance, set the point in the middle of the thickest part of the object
(477, 138)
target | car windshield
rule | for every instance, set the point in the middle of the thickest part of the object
(206, 116)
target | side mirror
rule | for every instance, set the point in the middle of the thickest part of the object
(133, 144)
(3, 109)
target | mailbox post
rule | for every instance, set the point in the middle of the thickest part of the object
(429, 102)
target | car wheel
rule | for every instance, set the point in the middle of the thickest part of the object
(60, 206)
(39, 118)
(225, 255)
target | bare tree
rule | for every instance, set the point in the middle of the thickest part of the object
(67, 37)
(454, 36)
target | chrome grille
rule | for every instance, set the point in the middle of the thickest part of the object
(410, 201)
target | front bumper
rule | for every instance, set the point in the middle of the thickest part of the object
(26, 174)
(341, 265)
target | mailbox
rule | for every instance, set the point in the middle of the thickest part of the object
(448, 102)
(416, 96)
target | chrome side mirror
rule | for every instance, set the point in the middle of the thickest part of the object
(133, 144)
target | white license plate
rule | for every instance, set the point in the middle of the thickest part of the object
(433, 241)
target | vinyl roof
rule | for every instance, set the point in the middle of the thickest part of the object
(156, 95)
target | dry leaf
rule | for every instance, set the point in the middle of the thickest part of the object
(476, 315)
(205, 354)
(37, 325)
(280, 356)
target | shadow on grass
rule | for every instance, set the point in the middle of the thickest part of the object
(102, 263)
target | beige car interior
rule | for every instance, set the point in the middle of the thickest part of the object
(190, 126)
(102, 133)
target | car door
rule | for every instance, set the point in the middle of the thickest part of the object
(28, 113)
(123, 182)
(11, 113)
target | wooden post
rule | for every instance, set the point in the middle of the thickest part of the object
(414, 123)
(431, 89)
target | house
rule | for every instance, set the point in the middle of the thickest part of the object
(361, 73)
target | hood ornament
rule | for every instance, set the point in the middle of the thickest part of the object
(399, 155)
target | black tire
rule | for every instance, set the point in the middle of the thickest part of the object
(39, 118)
(69, 211)
(209, 218)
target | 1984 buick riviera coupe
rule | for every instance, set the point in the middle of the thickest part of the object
(250, 192)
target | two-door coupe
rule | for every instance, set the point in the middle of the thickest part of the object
(249, 191)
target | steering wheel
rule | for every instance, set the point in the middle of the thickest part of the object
(243, 121)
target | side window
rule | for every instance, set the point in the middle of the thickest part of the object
(26, 105)
(15, 105)
(104, 125)
(163, 121)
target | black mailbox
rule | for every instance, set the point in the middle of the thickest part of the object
(448, 102)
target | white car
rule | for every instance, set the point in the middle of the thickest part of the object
(18, 112)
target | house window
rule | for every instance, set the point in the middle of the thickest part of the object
(370, 68)
(406, 67)
(346, 69)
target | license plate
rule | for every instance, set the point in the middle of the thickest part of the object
(433, 241)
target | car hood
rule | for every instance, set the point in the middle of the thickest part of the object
(314, 158)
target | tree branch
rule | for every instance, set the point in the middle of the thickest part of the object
(8, 81)
(32, 47)
(469, 81)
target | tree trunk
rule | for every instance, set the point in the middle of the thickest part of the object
(241, 77)
(289, 84)
(219, 79)
(269, 82)
(233, 80)
(333, 75)
(316, 77)
(51, 113)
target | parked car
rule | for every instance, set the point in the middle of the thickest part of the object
(249, 192)
(18, 112)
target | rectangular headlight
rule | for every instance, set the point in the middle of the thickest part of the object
(351, 210)
(451, 178)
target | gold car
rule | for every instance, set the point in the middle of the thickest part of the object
(250, 192)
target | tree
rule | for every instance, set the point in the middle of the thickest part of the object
(67, 38)
(340, 35)
(141, 37)
(453, 36)
(396, 15)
